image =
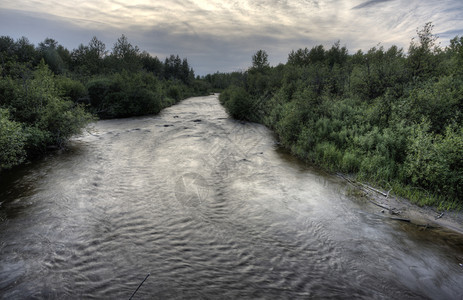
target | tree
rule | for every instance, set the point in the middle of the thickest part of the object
(304, 57)
(7, 52)
(50, 52)
(25, 51)
(89, 60)
(151, 64)
(123, 49)
(173, 67)
(336, 55)
(456, 50)
(260, 60)
(299, 57)
(97, 48)
(125, 56)
(422, 53)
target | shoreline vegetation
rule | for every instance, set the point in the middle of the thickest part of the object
(48, 93)
(389, 119)
(385, 119)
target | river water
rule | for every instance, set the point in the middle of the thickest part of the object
(211, 208)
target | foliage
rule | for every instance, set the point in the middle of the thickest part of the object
(422, 59)
(260, 60)
(125, 94)
(48, 93)
(390, 118)
(238, 103)
(436, 161)
(36, 115)
(12, 141)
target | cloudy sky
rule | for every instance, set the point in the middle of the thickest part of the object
(222, 35)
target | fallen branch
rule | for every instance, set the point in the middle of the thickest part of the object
(376, 190)
(364, 186)
(380, 205)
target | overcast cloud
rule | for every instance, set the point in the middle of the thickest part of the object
(222, 35)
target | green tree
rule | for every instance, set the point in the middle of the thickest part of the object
(260, 60)
(299, 57)
(25, 51)
(456, 51)
(52, 53)
(125, 56)
(336, 55)
(304, 57)
(152, 64)
(89, 60)
(422, 53)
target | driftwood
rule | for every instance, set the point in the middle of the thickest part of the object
(393, 211)
(439, 216)
(376, 190)
(365, 186)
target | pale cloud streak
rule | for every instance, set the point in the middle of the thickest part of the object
(223, 35)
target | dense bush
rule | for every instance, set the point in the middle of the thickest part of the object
(238, 103)
(387, 117)
(12, 141)
(125, 94)
(36, 115)
(436, 161)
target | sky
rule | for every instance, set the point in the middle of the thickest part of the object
(222, 35)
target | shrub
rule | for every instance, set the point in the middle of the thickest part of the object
(435, 161)
(71, 89)
(327, 154)
(12, 141)
(238, 103)
(98, 90)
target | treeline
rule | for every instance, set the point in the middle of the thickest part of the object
(384, 116)
(48, 93)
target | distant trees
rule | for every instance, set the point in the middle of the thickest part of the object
(174, 67)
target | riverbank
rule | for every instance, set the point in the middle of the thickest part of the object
(208, 206)
(419, 209)
(403, 210)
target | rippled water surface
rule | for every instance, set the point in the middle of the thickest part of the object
(211, 208)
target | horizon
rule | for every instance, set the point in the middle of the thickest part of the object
(222, 36)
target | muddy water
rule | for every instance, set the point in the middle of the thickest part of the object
(210, 208)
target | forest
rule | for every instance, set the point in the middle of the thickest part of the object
(386, 117)
(48, 93)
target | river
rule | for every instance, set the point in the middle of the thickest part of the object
(210, 207)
